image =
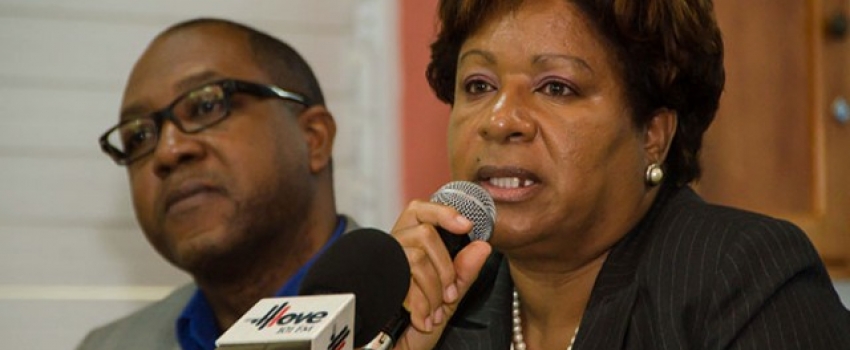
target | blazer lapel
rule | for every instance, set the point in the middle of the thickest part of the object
(604, 325)
(606, 320)
(483, 322)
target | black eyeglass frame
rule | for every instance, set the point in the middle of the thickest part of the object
(229, 87)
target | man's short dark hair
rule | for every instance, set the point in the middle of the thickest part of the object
(280, 61)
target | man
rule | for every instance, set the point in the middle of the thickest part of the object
(227, 145)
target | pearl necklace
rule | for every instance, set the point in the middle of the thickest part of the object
(518, 339)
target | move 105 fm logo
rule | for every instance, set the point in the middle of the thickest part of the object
(279, 315)
(299, 322)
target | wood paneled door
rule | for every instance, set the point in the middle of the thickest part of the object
(781, 141)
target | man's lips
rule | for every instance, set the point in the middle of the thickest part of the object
(189, 190)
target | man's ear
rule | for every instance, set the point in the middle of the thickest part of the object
(319, 130)
(658, 135)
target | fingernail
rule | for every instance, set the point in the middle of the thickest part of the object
(438, 316)
(463, 220)
(429, 325)
(451, 293)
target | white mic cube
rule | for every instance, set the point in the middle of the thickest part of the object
(316, 322)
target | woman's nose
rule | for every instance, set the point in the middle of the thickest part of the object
(510, 120)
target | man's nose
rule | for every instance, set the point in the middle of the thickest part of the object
(174, 148)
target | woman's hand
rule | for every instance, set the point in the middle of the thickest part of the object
(438, 283)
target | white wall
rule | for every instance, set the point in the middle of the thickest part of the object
(72, 256)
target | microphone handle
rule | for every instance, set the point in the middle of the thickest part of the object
(454, 243)
(391, 332)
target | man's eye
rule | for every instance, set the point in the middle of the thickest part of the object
(475, 87)
(205, 102)
(137, 137)
(206, 107)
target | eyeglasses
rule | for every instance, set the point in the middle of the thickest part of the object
(191, 112)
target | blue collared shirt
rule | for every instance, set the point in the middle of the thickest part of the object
(196, 326)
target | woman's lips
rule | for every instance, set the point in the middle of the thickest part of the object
(508, 184)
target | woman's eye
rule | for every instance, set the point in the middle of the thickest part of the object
(475, 87)
(556, 88)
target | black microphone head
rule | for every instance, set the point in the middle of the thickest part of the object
(471, 201)
(370, 264)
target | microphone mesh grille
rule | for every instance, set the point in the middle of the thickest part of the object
(471, 201)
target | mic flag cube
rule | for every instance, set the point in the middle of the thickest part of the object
(319, 322)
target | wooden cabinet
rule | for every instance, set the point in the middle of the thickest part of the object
(777, 145)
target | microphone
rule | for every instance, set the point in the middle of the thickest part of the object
(367, 263)
(474, 203)
(372, 265)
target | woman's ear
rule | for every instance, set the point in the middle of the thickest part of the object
(319, 130)
(659, 134)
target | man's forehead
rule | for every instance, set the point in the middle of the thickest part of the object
(177, 61)
(215, 46)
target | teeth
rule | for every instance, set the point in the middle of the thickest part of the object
(510, 182)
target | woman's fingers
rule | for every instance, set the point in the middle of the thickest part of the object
(432, 270)
(425, 334)
(468, 264)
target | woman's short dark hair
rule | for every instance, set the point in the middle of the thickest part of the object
(670, 54)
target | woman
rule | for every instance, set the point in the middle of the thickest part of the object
(584, 119)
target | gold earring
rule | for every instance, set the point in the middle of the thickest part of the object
(654, 174)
